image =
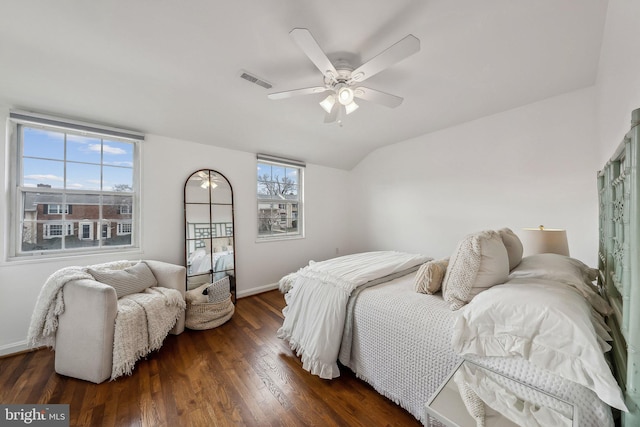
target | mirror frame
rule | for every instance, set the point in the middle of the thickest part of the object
(213, 227)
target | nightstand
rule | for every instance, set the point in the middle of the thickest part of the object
(447, 407)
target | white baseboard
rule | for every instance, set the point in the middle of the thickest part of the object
(15, 347)
(258, 290)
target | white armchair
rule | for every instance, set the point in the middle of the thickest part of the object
(85, 334)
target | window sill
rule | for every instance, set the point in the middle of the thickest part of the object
(62, 257)
(279, 238)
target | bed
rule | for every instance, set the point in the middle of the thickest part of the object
(506, 318)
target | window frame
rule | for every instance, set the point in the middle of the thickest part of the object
(297, 215)
(59, 209)
(46, 229)
(15, 209)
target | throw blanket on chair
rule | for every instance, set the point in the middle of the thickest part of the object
(50, 303)
(142, 324)
(317, 303)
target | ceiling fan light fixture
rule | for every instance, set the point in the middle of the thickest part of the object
(207, 182)
(328, 103)
(350, 108)
(345, 95)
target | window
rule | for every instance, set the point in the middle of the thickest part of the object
(57, 209)
(279, 184)
(124, 228)
(124, 209)
(70, 182)
(56, 229)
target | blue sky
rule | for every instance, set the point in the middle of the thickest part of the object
(44, 154)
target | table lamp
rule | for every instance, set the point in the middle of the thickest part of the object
(545, 240)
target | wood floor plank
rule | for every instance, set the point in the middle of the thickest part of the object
(239, 374)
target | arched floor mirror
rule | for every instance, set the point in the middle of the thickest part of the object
(209, 230)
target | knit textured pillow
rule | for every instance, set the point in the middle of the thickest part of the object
(219, 290)
(479, 262)
(429, 276)
(129, 281)
(514, 246)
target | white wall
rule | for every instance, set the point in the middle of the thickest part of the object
(618, 74)
(525, 167)
(167, 163)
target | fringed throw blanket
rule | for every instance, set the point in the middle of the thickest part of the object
(317, 303)
(142, 324)
(50, 303)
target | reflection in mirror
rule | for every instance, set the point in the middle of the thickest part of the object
(209, 230)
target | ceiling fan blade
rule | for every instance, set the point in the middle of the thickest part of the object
(396, 53)
(378, 97)
(296, 92)
(312, 49)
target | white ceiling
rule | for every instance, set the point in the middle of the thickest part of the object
(171, 67)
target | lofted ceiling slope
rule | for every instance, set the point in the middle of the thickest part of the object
(172, 68)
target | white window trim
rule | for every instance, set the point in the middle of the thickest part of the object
(60, 209)
(14, 209)
(46, 229)
(119, 231)
(301, 166)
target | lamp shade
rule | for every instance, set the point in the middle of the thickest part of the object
(544, 241)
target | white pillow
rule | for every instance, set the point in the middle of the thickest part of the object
(479, 262)
(513, 245)
(548, 325)
(563, 269)
(129, 281)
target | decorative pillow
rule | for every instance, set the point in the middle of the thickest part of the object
(429, 276)
(566, 270)
(551, 326)
(513, 245)
(218, 291)
(479, 262)
(129, 281)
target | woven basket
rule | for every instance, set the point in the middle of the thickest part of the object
(201, 314)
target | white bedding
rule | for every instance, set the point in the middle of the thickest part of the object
(401, 345)
(317, 303)
(546, 322)
(201, 261)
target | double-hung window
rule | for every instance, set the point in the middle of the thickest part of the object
(280, 201)
(74, 186)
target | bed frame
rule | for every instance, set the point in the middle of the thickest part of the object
(619, 262)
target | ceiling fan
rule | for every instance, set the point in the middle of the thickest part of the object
(207, 179)
(343, 81)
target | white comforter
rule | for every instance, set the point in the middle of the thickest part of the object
(317, 303)
(401, 345)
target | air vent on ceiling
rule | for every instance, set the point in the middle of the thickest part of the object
(256, 80)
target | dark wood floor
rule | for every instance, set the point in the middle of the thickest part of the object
(237, 374)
